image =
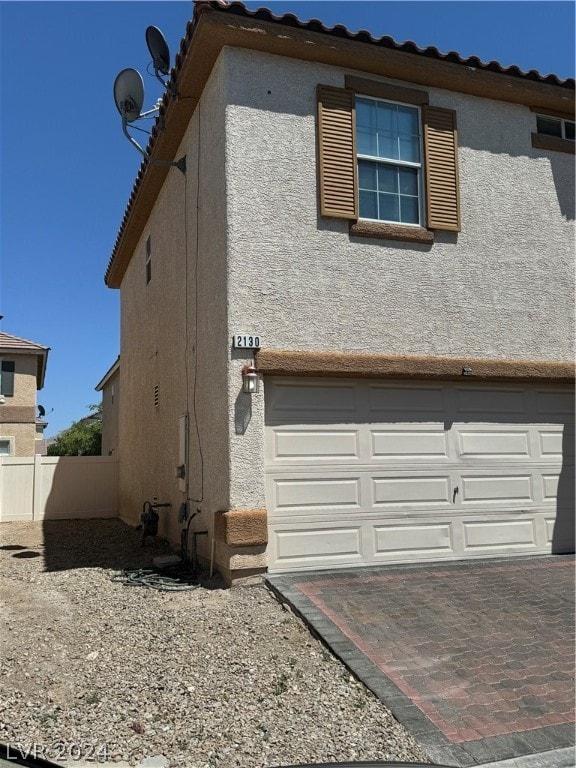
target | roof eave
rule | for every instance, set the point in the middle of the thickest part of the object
(108, 375)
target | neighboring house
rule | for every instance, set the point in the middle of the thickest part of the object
(397, 226)
(109, 386)
(22, 371)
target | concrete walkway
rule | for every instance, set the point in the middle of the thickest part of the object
(475, 658)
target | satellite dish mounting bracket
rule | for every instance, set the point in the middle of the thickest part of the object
(180, 164)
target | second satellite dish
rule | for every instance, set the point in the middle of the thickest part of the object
(129, 94)
(158, 48)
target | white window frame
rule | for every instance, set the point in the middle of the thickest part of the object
(418, 166)
(555, 119)
(11, 442)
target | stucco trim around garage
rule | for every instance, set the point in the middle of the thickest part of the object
(242, 527)
(340, 364)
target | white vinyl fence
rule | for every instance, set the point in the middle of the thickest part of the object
(58, 487)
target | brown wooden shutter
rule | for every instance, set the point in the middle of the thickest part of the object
(441, 172)
(337, 152)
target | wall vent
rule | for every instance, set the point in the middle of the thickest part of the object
(156, 396)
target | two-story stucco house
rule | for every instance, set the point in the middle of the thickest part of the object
(396, 226)
(22, 372)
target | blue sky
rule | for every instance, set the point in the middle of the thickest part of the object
(67, 171)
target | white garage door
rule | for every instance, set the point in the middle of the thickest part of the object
(361, 472)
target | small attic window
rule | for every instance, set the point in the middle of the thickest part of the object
(555, 126)
(148, 259)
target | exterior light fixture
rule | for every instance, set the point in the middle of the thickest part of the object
(466, 371)
(250, 380)
(2, 401)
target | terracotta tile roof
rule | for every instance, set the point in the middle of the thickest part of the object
(339, 30)
(236, 8)
(16, 344)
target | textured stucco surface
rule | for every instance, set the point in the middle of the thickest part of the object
(25, 383)
(501, 288)
(111, 415)
(173, 335)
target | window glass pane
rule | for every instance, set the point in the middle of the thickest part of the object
(366, 175)
(388, 207)
(4, 447)
(410, 149)
(408, 120)
(366, 142)
(387, 179)
(409, 210)
(549, 126)
(408, 181)
(7, 378)
(368, 205)
(569, 130)
(387, 145)
(366, 114)
(386, 119)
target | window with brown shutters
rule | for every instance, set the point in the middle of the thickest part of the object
(337, 153)
(338, 159)
(441, 169)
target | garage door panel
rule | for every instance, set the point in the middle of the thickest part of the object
(550, 487)
(492, 535)
(311, 444)
(409, 443)
(307, 494)
(493, 444)
(549, 523)
(550, 443)
(478, 401)
(393, 541)
(410, 490)
(497, 489)
(322, 544)
(558, 403)
(392, 402)
(289, 399)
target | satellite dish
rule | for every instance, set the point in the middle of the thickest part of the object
(159, 50)
(41, 411)
(129, 94)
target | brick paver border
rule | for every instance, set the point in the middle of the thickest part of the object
(475, 738)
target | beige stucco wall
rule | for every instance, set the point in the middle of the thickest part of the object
(174, 336)
(501, 288)
(111, 415)
(23, 434)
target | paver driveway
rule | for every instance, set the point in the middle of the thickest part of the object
(476, 658)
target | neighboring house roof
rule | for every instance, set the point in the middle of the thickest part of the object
(233, 24)
(16, 345)
(108, 375)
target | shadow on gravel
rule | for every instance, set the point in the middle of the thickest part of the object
(99, 543)
(64, 545)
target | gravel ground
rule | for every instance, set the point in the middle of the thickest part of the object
(212, 678)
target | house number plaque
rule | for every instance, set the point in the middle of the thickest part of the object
(246, 341)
